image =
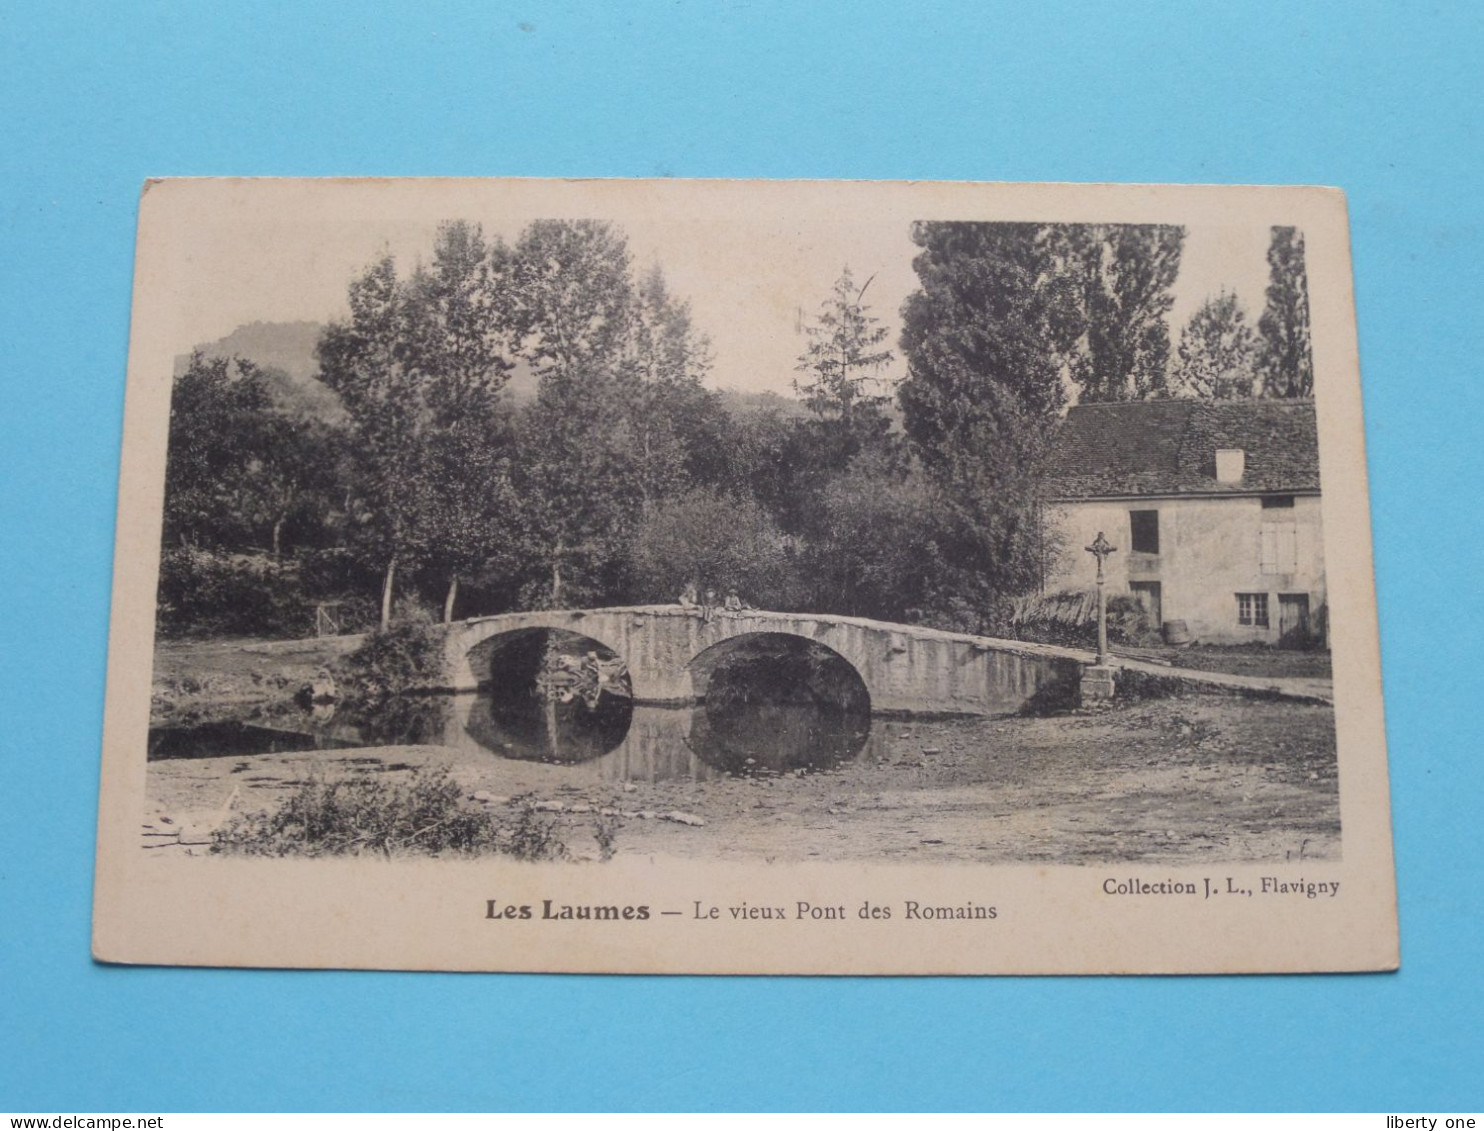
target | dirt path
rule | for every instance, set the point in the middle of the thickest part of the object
(1305, 689)
(1179, 780)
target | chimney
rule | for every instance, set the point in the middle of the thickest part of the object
(1231, 463)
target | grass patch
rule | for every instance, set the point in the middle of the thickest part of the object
(427, 815)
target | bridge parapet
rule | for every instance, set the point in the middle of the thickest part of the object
(906, 668)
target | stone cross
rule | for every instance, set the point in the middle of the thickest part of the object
(1100, 549)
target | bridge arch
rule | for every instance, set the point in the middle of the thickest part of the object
(542, 703)
(517, 654)
(790, 660)
(776, 702)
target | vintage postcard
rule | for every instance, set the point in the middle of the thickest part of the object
(744, 577)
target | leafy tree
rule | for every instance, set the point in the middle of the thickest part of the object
(663, 345)
(715, 541)
(1122, 276)
(765, 454)
(365, 360)
(1284, 361)
(678, 424)
(216, 415)
(237, 469)
(580, 496)
(417, 361)
(568, 296)
(571, 302)
(469, 521)
(984, 336)
(1217, 351)
(459, 346)
(294, 478)
(621, 419)
(871, 550)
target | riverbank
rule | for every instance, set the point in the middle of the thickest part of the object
(199, 681)
(1180, 781)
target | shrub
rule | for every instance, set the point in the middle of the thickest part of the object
(717, 541)
(605, 832)
(352, 816)
(209, 593)
(405, 657)
(1139, 685)
(1129, 623)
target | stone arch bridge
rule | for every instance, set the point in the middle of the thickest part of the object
(905, 668)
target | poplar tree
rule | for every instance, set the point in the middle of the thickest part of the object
(1122, 278)
(676, 420)
(571, 300)
(985, 336)
(458, 350)
(419, 366)
(364, 359)
(1285, 362)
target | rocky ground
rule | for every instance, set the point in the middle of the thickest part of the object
(1177, 780)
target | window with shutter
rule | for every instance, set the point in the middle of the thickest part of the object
(1280, 547)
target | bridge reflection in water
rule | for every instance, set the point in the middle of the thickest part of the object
(659, 743)
(616, 742)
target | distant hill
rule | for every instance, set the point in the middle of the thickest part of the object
(285, 353)
(740, 402)
(286, 346)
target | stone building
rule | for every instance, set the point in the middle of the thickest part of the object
(1214, 509)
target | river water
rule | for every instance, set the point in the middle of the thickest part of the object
(613, 740)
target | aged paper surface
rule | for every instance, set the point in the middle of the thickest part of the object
(780, 577)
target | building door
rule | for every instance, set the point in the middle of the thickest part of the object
(1147, 592)
(1293, 620)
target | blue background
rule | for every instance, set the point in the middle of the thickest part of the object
(1381, 100)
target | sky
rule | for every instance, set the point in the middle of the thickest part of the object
(753, 264)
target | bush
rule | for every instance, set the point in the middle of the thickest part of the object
(1138, 685)
(408, 656)
(1129, 623)
(209, 593)
(719, 542)
(351, 816)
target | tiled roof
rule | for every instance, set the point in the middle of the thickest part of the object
(1136, 448)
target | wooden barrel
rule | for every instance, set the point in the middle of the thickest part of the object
(1176, 632)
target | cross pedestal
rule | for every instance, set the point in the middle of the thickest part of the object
(1096, 685)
